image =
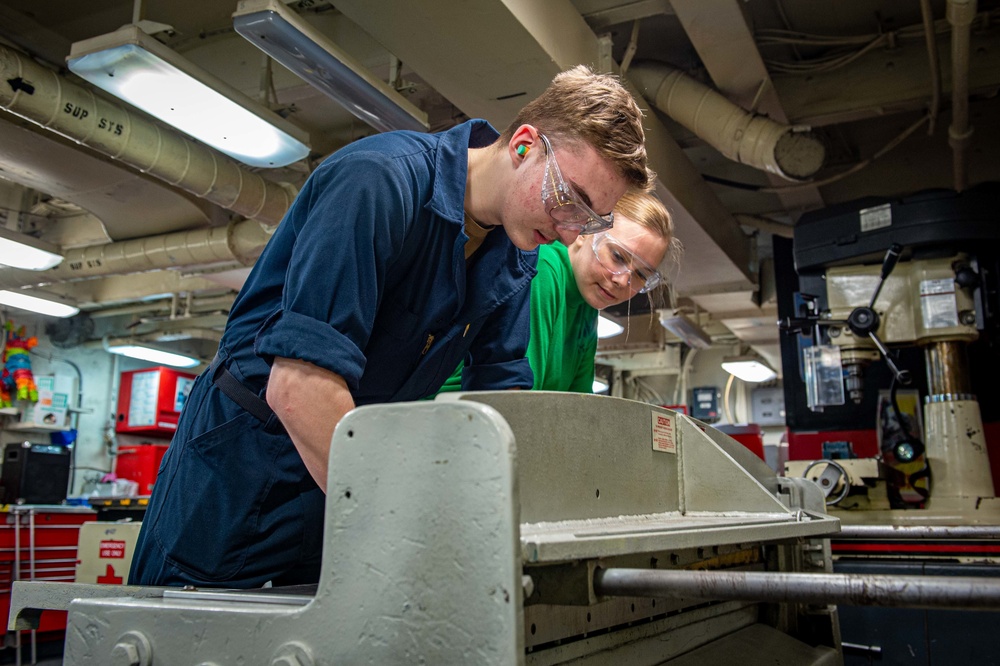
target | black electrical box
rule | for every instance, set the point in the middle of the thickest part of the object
(34, 473)
(705, 404)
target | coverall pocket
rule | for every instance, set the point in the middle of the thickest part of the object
(208, 518)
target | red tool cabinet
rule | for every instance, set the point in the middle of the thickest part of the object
(150, 401)
(39, 543)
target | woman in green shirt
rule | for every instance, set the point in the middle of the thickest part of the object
(574, 282)
(593, 273)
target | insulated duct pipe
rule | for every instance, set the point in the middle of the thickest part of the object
(44, 97)
(157, 308)
(960, 14)
(238, 241)
(794, 153)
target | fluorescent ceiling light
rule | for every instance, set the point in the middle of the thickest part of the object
(600, 386)
(286, 37)
(686, 329)
(607, 328)
(136, 68)
(22, 251)
(51, 305)
(152, 354)
(749, 369)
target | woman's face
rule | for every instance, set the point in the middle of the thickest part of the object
(598, 285)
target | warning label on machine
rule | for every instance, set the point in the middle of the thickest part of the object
(664, 434)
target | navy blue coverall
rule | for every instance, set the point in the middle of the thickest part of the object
(366, 277)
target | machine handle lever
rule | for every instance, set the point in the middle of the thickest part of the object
(902, 376)
(888, 264)
(793, 324)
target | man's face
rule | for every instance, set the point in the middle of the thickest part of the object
(588, 178)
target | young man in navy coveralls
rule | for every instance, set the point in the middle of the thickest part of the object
(370, 291)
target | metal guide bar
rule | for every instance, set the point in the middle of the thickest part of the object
(949, 592)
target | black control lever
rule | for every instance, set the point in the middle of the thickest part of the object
(865, 321)
(888, 264)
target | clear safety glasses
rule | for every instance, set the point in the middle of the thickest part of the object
(618, 259)
(564, 205)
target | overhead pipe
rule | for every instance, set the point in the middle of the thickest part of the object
(156, 308)
(930, 37)
(960, 14)
(794, 153)
(238, 241)
(46, 98)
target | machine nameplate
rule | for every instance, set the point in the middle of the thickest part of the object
(937, 303)
(875, 218)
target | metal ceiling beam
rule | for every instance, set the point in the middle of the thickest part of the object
(493, 79)
(601, 14)
(885, 81)
(485, 78)
(32, 36)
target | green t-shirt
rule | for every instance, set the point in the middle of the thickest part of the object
(563, 339)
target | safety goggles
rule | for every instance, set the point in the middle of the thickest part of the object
(618, 259)
(564, 205)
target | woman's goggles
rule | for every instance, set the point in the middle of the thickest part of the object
(618, 259)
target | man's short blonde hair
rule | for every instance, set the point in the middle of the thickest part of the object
(580, 105)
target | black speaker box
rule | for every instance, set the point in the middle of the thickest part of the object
(34, 473)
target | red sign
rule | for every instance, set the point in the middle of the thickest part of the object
(113, 549)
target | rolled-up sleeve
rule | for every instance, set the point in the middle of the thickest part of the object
(348, 224)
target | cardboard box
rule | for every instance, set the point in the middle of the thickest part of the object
(55, 395)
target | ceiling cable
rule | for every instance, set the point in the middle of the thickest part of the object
(839, 58)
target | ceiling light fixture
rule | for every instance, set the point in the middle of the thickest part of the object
(146, 352)
(607, 328)
(138, 69)
(22, 251)
(286, 37)
(749, 369)
(686, 329)
(39, 302)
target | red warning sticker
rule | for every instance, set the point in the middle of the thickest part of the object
(664, 437)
